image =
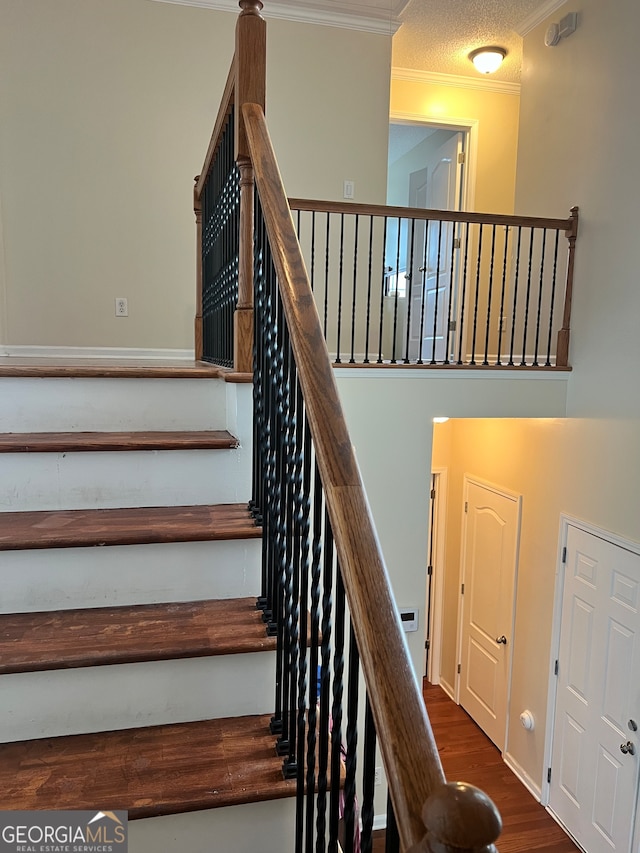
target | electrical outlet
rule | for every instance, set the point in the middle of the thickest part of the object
(122, 307)
(378, 777)
(349, 190)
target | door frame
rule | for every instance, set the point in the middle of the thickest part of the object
(434, 660)
(467, 126)
(567, 521)
(507, 493)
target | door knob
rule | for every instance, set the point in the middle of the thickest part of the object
(501, 640)
(627, 747)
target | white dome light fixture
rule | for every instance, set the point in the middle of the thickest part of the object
(487, 59)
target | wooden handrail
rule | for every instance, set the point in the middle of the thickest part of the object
(406, 740)
(568, 225)
(216, 135)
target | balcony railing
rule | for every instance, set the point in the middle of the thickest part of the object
(430, 287)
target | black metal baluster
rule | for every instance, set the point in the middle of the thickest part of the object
(302, 528)
(292, 533)
(324, 723)
(409, 285)
(355, 288)
(391, 836)
(351, 826)
(540, 292)
(423, 289)
(312, 277)
(286, 741)
(314, 638)
(490, 294)
(516, 279)
(326, 275)
(383, 279)
(259, 432)
(368, 779)
(336, 714)
(435, 304)
(475, 306)
(395, 301)
(527, 299)
(553, 298)
(452, 261)
(502, 293)
(369, 282)
(463, 296)
(340, 282)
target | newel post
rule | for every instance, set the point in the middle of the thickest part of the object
(562, 350)
(251, 49)
(459, 819)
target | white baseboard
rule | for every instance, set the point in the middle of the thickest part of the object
(448, 689)
(522, 775)
(96, 352)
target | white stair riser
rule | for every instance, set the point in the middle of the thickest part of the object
(267, 826)
(111, 405)
(106, 698)
(51, 481)
(69, 578)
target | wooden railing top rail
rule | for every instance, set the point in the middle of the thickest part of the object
(569, 225)
(221, 119)
(405, 736)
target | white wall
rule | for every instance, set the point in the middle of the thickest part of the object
(390, 421)
(106, 108)
(577, 140)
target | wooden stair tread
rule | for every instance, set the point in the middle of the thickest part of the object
(127, 526)
(151, 368)
(147, 771)
(68, 442)
(63, 639)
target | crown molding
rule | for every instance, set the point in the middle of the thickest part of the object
(538, 16)
(458, 80)
(366, 17)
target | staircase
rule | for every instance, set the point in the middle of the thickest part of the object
(135, 671)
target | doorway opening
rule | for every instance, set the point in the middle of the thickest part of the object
(427, 170)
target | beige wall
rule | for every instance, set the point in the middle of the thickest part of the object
(495, 117)
(576, 146)
(106, 111)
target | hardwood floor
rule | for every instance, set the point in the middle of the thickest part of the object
(467, 755)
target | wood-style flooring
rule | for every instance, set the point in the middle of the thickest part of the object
(468, 755)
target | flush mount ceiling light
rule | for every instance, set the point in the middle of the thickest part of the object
(487, 59)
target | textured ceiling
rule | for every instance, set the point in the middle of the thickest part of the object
(433, 35)
(438, 35)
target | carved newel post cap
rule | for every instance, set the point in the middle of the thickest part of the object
(461, 817)
(251, 7)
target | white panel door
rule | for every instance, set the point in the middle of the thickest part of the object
(593, 781)
(490, 553)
